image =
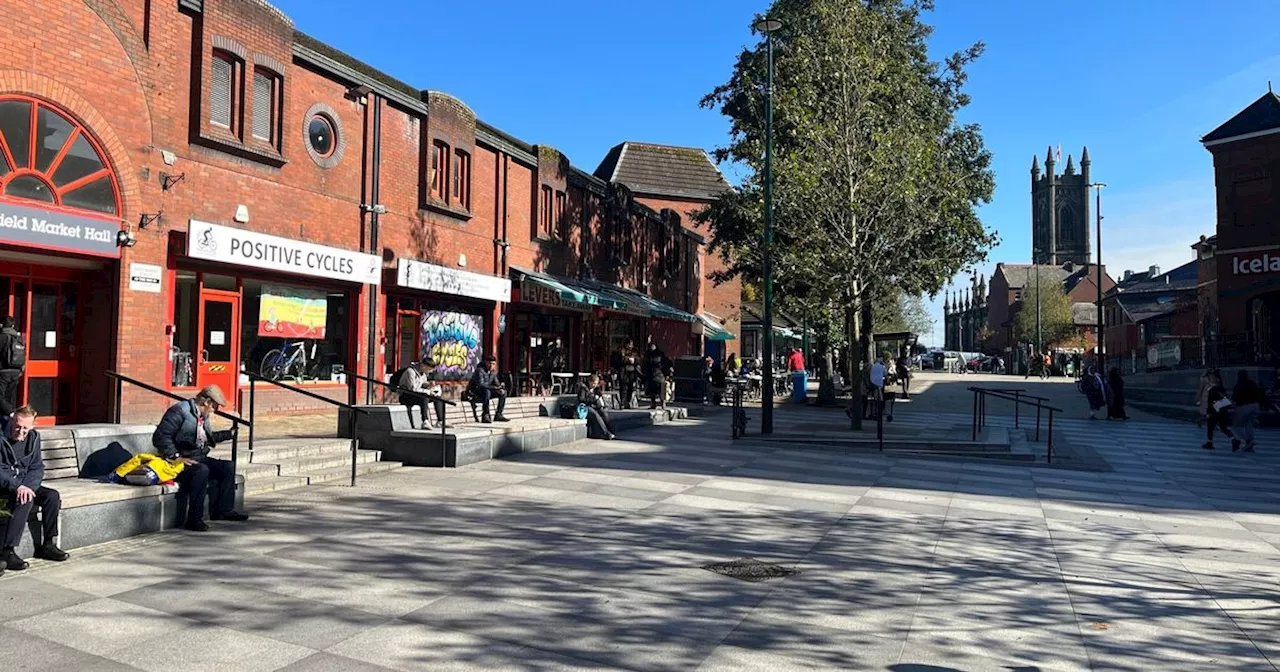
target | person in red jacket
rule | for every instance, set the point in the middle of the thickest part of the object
(795, 361)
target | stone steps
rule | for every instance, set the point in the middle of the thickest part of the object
(281, 464)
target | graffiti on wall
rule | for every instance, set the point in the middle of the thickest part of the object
(453, 340)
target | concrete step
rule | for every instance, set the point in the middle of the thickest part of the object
(344, 473)
(299, 466)
(278, 449)
(1188, 412)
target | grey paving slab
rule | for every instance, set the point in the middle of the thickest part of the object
(205, 647)
(22, 596)
(101, 626)
(23, 652)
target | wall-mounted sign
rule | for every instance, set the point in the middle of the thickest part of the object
(259, 250)
(534, 292)
(434, 278)
(145, 277)
(1255, 264)
(53, 230)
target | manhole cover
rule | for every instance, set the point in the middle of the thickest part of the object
(750, 569)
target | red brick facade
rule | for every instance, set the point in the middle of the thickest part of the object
(141, 82)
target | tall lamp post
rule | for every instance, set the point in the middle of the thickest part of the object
(768, 27)
(1102, 356)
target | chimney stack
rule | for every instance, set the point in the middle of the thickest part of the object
(1153, 272)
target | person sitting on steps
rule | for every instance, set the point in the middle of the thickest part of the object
(185, 434)
(21, 489)
(418, 378)
(590, 395)
(485, 385)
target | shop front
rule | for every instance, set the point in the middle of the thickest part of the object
(60, 237)
(446, 313)
(284, 309)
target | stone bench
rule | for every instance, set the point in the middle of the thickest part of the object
(77, 460)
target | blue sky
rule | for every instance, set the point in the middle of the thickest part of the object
(1137, 81)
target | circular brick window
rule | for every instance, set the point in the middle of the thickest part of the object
(323, 136)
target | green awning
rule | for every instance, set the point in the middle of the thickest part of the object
(655, 307)
(712, 330)
(571, 293)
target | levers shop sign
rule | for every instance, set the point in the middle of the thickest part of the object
(259, 250)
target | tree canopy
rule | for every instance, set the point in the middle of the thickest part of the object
(1056, 322)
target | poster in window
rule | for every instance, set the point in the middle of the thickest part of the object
(291, 312)
(453, 340)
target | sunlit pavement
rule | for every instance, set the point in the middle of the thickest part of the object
(591, 556)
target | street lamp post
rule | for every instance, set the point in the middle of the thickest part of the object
(1102, 356)
(768, 27)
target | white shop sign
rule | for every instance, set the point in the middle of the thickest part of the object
(145, 277)
(434, 278)
(259, 250)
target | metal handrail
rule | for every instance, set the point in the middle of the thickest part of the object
(355, 417)
(121, 379)
(444, 442)
(980, 395)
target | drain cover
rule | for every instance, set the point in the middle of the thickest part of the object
(750, 569)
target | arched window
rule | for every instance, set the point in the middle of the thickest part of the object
(47, 156)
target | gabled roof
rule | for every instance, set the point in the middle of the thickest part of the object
(1181, 279)
(1262, 115)
(662, 170)
(1144, 307)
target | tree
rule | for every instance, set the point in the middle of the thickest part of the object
(1056, 322)
(876, 183)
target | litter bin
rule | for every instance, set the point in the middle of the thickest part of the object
(799, 386)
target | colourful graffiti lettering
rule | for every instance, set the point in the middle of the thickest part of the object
(453, 340)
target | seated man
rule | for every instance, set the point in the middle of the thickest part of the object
(418, 379)
(21, 475)
(186, 435)
(485, 385)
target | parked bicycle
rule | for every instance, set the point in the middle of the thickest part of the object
(288, 362)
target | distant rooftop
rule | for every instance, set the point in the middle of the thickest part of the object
(1261, 116)
(663, 170)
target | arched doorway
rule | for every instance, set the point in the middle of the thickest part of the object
(54, 180)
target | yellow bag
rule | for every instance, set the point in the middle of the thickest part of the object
(147, 469)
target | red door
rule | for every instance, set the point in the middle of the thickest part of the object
(219, 352)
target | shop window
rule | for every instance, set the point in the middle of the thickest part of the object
(59, 165)
(266, 103)
(186, 296)
(308, 326)
(439, 170)
(224, 94)
(462, 180)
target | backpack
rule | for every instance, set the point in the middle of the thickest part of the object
(397, 377)
(15, 354)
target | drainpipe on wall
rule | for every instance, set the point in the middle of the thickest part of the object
(374, 198)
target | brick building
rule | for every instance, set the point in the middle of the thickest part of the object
(1151, 319)
(1240, 264)
(203, 192)
(1009, 281)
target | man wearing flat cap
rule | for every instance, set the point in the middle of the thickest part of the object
(186, 435)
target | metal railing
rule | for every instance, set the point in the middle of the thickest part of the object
(355, 411)
(1019, 398)
(431, 398)
(121, 379)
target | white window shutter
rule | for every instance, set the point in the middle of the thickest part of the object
(220, 101)
(262, 104)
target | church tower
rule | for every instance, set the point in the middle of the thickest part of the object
(1060, 212)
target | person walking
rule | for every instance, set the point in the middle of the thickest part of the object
(656, 369)
(904, 375)
(1217, 408)
(13, 359)
(1248, 398)
(1202, 390)
(1095, 390)
(1115, 407)
(629, 371)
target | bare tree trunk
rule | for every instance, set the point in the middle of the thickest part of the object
(866, 326)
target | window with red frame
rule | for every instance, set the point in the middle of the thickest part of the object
(47, 156)
(462, 180)
(439, 171)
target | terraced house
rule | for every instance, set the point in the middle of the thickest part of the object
(192, 191)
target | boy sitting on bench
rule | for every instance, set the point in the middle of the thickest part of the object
(484, 386)
(417, 387)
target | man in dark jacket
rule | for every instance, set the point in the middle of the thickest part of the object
(21, 488)
(186, 435)
(656, 370)
(13, 359)
(485, 385)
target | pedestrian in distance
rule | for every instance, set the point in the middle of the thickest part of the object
(13, 359)
(485, 385)
(1115, 406)
(1095, 390)
(1217, 409)
(657, 368)
(1248, 399)
(1202, 391)
(904, 375)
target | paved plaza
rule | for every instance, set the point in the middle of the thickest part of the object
(591, 556)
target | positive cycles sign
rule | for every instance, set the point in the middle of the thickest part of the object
(259, 250)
